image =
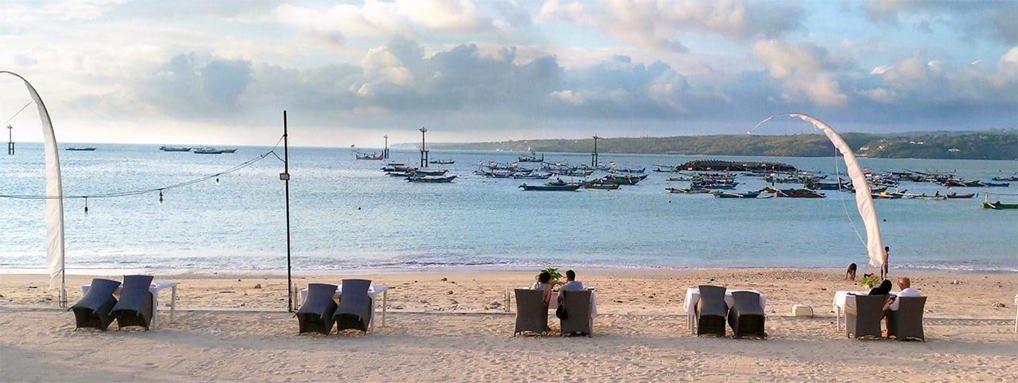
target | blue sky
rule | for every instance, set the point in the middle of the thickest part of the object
(349, 72)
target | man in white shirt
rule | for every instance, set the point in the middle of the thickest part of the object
(905, 285)
(571, 285)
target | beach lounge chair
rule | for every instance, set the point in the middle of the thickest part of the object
(354, 310)
(531, 311)
(578, 320)
(746, 316)
(135, 306)
(907, 322)
(316, 314)
(93, 310)
(711, 311)
(863, 319)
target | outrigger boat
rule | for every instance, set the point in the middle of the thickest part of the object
(557, 185)
(600, 184)
(174, 149)
(532, 157)
(442, 162)
(794, 193)
(1009, 179)
(431, 179)
(429, 172)
(996, 184)
(532, 176)
(999, 206)
(207, 151)
(81, 149)
(396, 167)
(687, 191)
(960, 196)
(728, 194)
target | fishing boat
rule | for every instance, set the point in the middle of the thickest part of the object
(81, 149)
(999, 206)
(532, 157)
(687, 191)
(431, 179)
(532, 176)
(731, 194)
(960, 196)
(401, 173)
(888, 195)
(396, 167)
(816, 185)
(624, 179)
(956, 182)
(600, 184)
(429, 172)
(442, 162)
(369, 157)
(556, 185)
(630, 170)
(1009, 179)
(230, 150)
(207, 151)
(996, 184)
(175, 149)
(794, 193)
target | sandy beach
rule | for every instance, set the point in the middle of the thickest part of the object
(451, 326)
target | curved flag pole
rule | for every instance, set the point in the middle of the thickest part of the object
(863, 194)
(54, 196)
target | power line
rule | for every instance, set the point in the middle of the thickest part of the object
(240, 166)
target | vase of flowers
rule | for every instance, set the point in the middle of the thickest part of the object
(870, 280)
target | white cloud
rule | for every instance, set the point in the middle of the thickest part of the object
(384, 19)
(803, 70)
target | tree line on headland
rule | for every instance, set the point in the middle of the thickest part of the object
(986, 145)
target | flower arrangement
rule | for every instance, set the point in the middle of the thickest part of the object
(870, 280)
(555, 275)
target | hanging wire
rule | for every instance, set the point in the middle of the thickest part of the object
(17, 113)
(160, 189)
(844, 205)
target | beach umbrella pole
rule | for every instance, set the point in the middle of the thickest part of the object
(285, 176)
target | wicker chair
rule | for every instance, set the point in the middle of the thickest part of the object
(93, 310)
(354, 309)
(907, 322)
(135, 306)
(711, 311)
(578, 319)
(863, 319)
(747, 315)
(531, 311)
(317, 311)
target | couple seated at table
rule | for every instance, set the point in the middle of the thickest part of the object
(545, 283)
(891, 302)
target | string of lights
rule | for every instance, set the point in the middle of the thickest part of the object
(159, 189)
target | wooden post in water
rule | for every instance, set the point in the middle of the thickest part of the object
(424, 149)
(285, 176)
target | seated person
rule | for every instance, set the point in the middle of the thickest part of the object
(884, 289)
(905, 285)
(544, 283)
(571, 284)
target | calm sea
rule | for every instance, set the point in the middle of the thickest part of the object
(347, 214)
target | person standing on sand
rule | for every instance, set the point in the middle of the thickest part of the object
(883, 267)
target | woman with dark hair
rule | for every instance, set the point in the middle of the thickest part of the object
(544, 283)
(883, 289)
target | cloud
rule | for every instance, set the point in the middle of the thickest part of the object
(661, 25)
(384, 19)
(192, 85)
(993, 19)
(803, 70)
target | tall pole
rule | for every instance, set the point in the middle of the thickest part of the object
(285, 176)
(424, 149)
(593, 157)
(10, 140)
(385, 151)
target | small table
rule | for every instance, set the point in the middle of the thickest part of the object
(693, 296)
(154, 289)
(373, 292)
(841, 301)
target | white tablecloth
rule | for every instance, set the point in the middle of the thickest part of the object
(841, 299)
(373, 292)
(155, 288)
(693, 296)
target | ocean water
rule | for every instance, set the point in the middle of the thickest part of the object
(347, 215)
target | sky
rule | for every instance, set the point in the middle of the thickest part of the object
(221, 72)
